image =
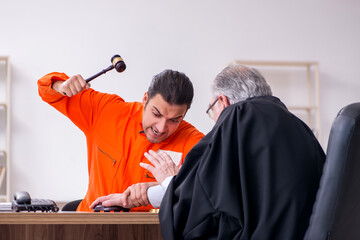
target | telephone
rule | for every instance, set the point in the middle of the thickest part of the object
(23, 202)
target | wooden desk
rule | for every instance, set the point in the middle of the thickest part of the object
(79, 226)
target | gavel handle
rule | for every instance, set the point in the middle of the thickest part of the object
(100, 73)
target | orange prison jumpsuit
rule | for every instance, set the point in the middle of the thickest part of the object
(115, 142)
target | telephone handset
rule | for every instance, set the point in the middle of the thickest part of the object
(23, 202)
(22, 197)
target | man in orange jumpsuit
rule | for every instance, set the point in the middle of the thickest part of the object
(118, 133)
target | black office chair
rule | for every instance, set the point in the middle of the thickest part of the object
(336, 212)
(71, 206)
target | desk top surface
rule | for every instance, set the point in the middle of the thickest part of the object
(79, 218)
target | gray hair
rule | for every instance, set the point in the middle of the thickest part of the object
(238, 83)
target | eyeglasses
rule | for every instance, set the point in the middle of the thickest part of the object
(210, 111)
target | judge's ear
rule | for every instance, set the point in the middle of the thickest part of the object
(223, 100)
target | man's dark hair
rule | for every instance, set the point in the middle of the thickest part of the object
(175, 87)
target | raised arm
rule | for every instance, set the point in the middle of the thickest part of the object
(70, 87)
(72, 97)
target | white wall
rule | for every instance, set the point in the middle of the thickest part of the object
(196, 37)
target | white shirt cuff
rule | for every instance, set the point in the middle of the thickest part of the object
(156, 193)
(166, 182)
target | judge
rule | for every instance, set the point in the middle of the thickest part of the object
(253, 176)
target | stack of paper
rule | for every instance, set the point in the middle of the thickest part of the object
(6, 206)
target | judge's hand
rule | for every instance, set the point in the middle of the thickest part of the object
(163, 165)
(72, 86)
(134, 196)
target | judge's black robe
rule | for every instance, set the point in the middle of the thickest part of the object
(253, 176)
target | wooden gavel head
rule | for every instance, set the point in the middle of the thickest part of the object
(118, 63)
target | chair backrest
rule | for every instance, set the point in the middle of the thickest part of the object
(71, 206)
(336, 212)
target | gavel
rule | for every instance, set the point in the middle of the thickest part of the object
(117, 63)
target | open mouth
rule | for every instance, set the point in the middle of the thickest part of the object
(158, 134)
